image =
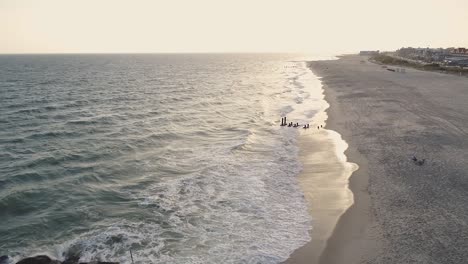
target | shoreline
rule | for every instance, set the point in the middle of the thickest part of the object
(348, 241)
(334, 192)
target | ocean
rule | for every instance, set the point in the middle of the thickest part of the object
(178, 157)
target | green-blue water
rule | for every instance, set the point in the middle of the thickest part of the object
(178, 157)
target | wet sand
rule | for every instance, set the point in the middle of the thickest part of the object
(402, 212)
(324, 180)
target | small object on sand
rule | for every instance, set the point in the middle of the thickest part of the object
(420, 162)
(318, 127)
(414, 158)
(321, 126)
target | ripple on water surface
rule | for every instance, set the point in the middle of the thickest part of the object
(178, 157)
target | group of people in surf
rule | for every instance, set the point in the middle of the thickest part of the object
(291, 124)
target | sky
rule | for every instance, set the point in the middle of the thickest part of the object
(149, 26)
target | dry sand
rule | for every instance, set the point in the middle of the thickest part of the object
(402, 212)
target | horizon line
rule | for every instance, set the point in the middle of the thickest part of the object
(182, 52)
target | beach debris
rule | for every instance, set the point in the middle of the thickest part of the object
(419, 162)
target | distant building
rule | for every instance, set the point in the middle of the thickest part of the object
(430, 55)
(460, 51)
(368, 52)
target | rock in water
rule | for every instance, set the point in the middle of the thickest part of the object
(4, 260)
(42, 259)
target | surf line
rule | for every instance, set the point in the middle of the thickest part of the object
(324, 181)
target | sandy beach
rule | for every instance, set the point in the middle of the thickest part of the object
(402, 212)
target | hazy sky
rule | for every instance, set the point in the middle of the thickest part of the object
(66, 26)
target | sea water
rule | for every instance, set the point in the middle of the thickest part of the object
(178, 157)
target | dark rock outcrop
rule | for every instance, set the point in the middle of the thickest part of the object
(42, 259)
(4, 260)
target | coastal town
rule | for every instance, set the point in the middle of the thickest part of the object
(457, 57)
(442, 57)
